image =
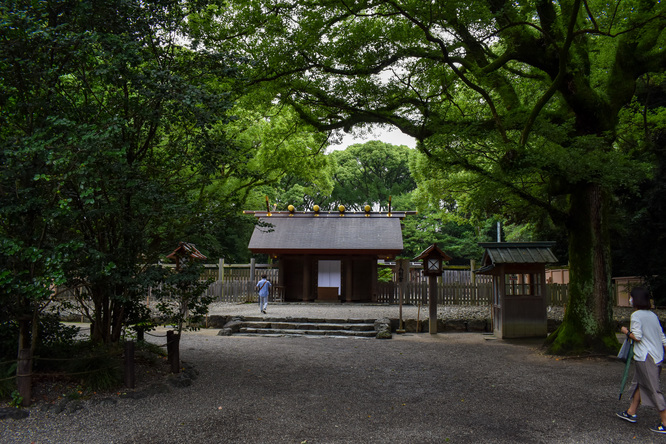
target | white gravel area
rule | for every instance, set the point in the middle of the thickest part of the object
(361, 311)
(415, 388)
(376, 311)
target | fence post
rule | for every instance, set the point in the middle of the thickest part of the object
(432, 304)
(392, 289)
(129, 364)
(24, 376)
(173, 353)
(221, 279)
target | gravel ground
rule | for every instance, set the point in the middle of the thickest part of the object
(360, 311)
(375, 311)
(414, 388)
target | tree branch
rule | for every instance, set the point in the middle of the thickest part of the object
(557, 82)
(431, 38)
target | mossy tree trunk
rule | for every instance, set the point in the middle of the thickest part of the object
(588, 320)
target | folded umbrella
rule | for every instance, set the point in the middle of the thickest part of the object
(630, 357)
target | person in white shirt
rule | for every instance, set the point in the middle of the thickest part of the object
(649, 342)
(263, 286)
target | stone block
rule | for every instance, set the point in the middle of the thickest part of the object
(73, 406)
(412, 326)
(233, 325)
(456, 325)
(384, 334)
(479, 325)
(215, 321)
(383, 323)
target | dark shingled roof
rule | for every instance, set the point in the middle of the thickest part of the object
(186, 249)
(368, 235)
(433, 250)
(518, 253)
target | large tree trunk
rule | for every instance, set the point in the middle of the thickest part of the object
(109, 317)
(588, 320)
(118, 318)
(101, 328)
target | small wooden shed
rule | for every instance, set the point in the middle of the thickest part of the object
(518, 307)
(185, 251)
(328, 256)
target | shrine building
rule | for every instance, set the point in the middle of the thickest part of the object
(328, 256)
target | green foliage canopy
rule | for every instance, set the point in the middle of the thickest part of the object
(517, 104)
(118, 141)
(370, 173)
(119, 124)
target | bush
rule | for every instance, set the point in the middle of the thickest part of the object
(7, 381)
(51, 333)
(9, 333)
(95, 367)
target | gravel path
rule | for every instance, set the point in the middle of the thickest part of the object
(375, 311)
(361, 311)
(414, 388)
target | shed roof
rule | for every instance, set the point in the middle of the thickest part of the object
(433, 250)
(516, 253)
(328, 235)
(186, 249)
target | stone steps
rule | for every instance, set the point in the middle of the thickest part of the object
(337, 325)
(301, 332)
(260, 326)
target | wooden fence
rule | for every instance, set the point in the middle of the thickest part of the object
(455, 287)
(235, 283)
(460, 293)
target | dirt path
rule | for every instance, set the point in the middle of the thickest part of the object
(414, 388)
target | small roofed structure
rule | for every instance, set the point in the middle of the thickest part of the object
(184, 252)
(328, 256)
(432, 258)
(519, 286)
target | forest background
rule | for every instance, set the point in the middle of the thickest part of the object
(126, 127)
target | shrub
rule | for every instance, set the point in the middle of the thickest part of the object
(52, 331)
(95, 367)
(9, 333)
(7, 381)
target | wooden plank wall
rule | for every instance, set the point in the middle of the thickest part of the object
(455, 287)
(458, 293)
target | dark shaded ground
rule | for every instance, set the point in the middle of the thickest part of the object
(418, 388)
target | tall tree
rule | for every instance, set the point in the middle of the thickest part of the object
(369, 173)
(272, 146)
(457, 236)
(117, 142)
(641, 229)
(119, 123)
(361, 174)
(519, 99)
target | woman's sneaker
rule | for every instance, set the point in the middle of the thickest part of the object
(659, 428)
(631, 418)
